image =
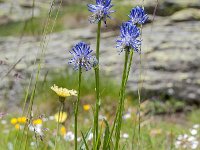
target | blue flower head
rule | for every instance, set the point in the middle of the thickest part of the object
(82, 56)
(138, 16)
(100, 11)
(129, 35)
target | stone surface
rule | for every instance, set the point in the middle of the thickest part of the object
(189, 14)
(12, 11)
(170, 60)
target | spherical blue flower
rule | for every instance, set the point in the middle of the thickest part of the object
(100, 11)
(82, 56)
(129, 35)
(138, 16)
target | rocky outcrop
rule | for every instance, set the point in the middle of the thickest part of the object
(170, 60)
(12, 11)
(190, 14)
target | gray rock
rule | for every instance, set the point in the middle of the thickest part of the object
(12, 11)
(170, 60)
(189, 14)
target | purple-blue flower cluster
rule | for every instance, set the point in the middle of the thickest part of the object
(101, 11)
(129, 36)
(129, 31)
(138, 16)
(82, 56)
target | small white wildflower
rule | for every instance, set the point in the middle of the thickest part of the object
(45, 119)
(193, 131)
(37, 129)
(33, 143)
(184, 146)
(101, 117)
(127, 116)
(185, 136)
(51, 118)
(194, 144)
(196, 126)
(90, 136)
(191, 138)
(125, 136)
(31, 128)
(3, 121)
(177, 144)
(180, 137)
(78, 139)
(69, 136)
(10, 146)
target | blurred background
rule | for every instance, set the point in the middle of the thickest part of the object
(41, 32)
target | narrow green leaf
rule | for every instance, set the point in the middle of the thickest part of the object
(84, 140)
(106, 136)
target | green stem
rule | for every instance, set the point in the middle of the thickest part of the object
(121, 102)
(57, 129)
(76, 110)
(129, 65)
(96, 117)
(139, 103)
(139, 93)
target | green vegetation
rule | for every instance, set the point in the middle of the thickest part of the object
(155, 132)
(109, 88)
(67, 17)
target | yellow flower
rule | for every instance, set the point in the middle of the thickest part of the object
(63, 92)
(62, 118)
(37, 121)
(13, 121)
(17, 126)
(21, 120)
(63, 130)
(86, 107)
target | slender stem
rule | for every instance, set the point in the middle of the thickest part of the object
(76, 109)
(139, 103)
(139, 93)
(121, 102)
(57, 129)
(96, 117)
(129, 65)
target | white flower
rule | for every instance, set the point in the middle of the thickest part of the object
(177, 144)
(78, 139)
(45, 119)
(196, 126)
(36, 128)
(180, 137)
(185, 136)
(69, 136)
(127, 116)
(191, 138)
(125, 136)
(10, 146)
(194, 144)
(90, 136)
(51, 118)
(3, 121)
(193, 131)
(33, 143)
(101, 117)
